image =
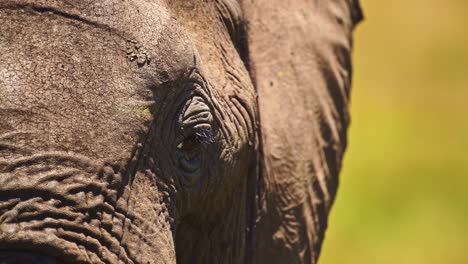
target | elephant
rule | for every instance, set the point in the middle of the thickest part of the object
(171, 131)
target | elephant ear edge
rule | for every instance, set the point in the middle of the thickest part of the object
(299, 57)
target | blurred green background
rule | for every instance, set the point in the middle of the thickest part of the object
(403, 195)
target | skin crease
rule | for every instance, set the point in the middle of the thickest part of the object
(148, 131)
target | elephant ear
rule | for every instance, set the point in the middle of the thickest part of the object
(300, 62)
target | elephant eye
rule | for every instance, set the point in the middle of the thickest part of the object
(189, 155)
(195, 134)
(187, 144)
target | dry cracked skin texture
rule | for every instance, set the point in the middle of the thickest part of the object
(171, 131)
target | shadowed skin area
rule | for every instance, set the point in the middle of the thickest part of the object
(130, 133)
(25, 257)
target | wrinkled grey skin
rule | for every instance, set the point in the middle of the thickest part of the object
(148, 131)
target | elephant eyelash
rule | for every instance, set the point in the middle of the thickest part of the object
(204, 137)
(201, 138)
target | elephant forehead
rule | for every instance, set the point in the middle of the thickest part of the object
(79, 87)
(147, 24)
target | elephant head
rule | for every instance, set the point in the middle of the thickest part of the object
(164, 131)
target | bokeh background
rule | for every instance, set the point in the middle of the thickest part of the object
(403, 195)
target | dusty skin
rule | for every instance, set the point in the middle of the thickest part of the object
(171, 131)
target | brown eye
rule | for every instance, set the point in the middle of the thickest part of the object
(189, 155)
(189, 144)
